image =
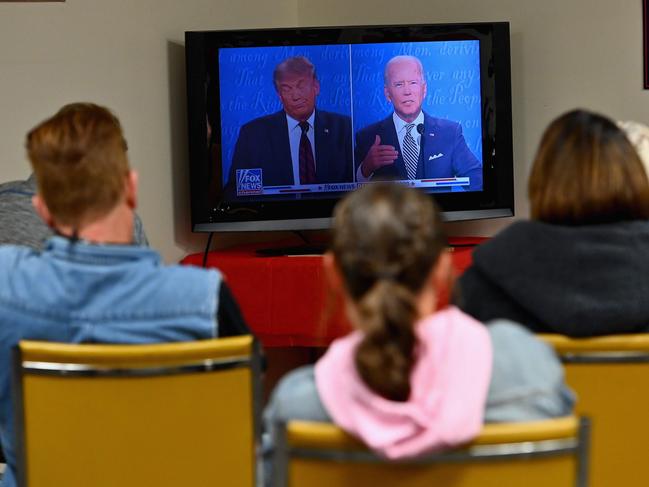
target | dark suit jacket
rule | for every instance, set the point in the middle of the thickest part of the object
(263, 143)
(445, 153)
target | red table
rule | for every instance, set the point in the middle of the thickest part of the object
(285, 299)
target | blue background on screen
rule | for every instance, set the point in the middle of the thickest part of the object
(452, 72)
(453, 80)
(247, 91)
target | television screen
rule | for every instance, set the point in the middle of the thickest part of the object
(283, 122)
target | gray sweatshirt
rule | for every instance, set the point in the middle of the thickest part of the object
(21, 225)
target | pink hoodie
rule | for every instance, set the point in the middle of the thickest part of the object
(449, 385)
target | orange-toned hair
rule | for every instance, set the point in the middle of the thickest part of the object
(586, 171)
(79, 158)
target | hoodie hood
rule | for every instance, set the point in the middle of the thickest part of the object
(575, 280)
(449, 385)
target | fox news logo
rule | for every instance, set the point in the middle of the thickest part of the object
(249, 181)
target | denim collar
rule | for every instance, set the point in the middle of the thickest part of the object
(82, 251)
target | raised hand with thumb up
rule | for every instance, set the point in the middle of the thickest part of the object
(377, 157)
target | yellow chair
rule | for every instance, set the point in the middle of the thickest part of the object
(611, 378)
(173, 414)
(542, 453)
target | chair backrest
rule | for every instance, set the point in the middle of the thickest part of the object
(611, 378)
(134, 415)
(541, 453)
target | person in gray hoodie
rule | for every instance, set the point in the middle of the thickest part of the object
(21, 225)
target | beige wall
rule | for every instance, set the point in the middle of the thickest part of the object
(128, 55)
(565, 54)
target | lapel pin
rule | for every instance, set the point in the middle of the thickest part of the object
(326, 131)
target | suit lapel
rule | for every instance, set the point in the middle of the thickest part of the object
(322, 137)
(421, 173)
(390, 132)
(431, 142)
(281, 148)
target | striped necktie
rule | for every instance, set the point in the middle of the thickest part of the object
(410, 152)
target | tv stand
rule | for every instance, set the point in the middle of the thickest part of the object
(304, 249)
(307, 247)
(311, 248)
(283, 299)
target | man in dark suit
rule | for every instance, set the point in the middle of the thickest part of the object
(411, 144)
(299, 144)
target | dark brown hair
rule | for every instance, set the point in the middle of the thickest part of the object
(79, 158)
(586, 171)
(387, 239)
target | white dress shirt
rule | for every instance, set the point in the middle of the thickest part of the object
(294, 136)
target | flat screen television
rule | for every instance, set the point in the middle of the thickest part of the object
(284, 122)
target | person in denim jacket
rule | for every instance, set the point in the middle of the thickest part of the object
(412, 379)
(90, 283)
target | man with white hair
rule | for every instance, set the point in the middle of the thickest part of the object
(410, 143)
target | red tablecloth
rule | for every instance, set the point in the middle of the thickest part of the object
(285, 299)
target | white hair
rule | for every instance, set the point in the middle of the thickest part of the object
(638, 135)
(398, 59)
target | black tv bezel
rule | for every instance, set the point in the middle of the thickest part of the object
(211, 213)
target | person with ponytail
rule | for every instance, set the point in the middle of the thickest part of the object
(413, 379)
